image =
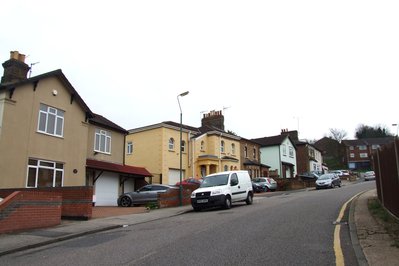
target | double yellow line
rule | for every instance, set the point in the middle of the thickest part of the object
(339, 256)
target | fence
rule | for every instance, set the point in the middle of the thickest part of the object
(386, 167)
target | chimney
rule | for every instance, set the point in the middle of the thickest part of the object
(213, 119)
(293, 134)
(15, 68)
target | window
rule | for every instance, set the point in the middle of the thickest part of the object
(102, 141)
(44, 174)
(226, 168)
(233, 148)
(254, 153)
(375, 146)
(171, 144)
(351, 148)
(284, 150)
(291, 151)
(183, 146)
(202, 145)
(246, 152)
(363, 155)
(222, 146)
(51, 121)
(129, 147)
(362, 147)
(352, 155)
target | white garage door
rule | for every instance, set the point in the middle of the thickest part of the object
(107, 189)
(174, 176)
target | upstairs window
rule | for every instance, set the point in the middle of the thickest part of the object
(291, 151)
(51, 121)
(129, 147)
(375, 146)
(233, 148)
(222, 146)
(254, 153)
(102, 142)
(362, 147)
(284, 150)
(202, 145)
(246, 152)
(171, 144)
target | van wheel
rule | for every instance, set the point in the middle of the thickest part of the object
(250, 198)
(196, 209)
(227, 202)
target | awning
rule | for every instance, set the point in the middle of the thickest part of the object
(117, 168)
(288, 164)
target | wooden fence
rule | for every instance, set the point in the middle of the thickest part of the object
(386, 167)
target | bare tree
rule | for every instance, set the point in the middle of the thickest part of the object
(337, 134)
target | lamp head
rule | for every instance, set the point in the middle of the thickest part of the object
(183, 94)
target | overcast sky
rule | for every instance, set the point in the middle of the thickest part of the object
(307, 65)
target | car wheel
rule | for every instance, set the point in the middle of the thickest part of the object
(250, 198)
(126, 201)
(266, 189)
(227, 202)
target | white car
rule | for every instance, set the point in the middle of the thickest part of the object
(370, 175)
(222, 189)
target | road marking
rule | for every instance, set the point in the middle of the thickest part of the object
(339, 256)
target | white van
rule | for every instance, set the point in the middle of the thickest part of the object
(221, 189)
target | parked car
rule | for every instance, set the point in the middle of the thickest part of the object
(190, 181)
(329, 180)
(309, 175)
(369, 175)
(263, 184)
(222, 189)
(145, 194)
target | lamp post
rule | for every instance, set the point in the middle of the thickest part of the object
(180, 153)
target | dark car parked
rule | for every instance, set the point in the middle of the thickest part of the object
(146, 194)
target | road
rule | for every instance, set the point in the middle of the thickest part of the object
(293, 228)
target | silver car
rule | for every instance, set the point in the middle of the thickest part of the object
(329, 180)
(144, 195)
(370, 175)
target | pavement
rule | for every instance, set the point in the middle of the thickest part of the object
(371, 243)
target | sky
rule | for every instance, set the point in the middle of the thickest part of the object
(268, 65)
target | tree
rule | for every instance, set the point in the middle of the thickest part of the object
(337, 134)
(364, 131)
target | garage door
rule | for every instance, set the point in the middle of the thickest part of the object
(106, 190)
(174, 176)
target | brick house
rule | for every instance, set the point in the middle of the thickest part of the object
(358, 152)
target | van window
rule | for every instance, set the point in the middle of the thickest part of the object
(234, 179)
(215, 180)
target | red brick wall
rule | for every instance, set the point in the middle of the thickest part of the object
(76, 201)
(23, 210)
(172, 197)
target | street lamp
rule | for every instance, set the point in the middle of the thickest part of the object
(180, 153)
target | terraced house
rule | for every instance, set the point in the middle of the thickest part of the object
(50, 138)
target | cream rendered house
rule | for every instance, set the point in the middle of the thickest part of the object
(43, 129)
(50, 138)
